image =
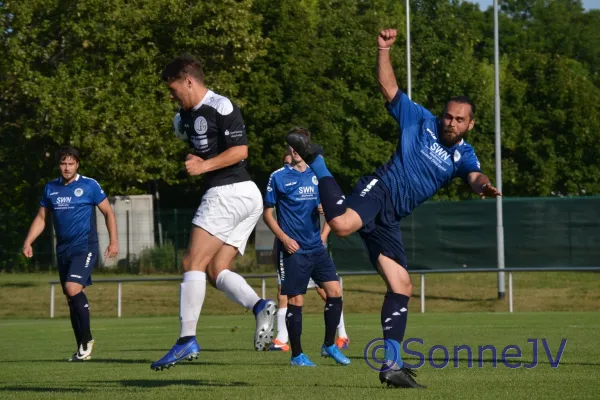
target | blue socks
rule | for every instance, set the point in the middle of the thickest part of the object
(332, 198)
(394, 313)
(319, 168)
(333, 312)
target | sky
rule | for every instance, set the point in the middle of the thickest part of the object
(587, 4)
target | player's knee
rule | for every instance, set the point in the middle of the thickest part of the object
(283, 301)
(340, 227)
(212, 275)
(406, 288)
(72, 289)
(297, 300)
(334, 291)
(186, 264)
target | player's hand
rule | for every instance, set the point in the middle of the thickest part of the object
(324, 240)
(193, 165)
(386, 38)
(27, 251)
(320, 208)
(111, 251)
(291, 246)
(489, 191)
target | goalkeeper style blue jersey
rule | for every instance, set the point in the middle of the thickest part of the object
(421, 164)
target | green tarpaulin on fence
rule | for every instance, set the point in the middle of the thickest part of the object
(540, 232)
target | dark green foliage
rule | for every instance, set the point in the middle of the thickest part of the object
(87, 73)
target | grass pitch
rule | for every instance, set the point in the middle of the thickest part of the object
(32, 354)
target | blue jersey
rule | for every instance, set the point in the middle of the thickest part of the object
(421, 164)
(295, 195)
(73, 214)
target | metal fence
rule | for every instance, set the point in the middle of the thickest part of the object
(263, 277)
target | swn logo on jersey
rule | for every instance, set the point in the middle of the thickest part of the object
(306, 189)
(440, 152)
(63, 200)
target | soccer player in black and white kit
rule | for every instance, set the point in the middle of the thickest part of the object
(228, 212)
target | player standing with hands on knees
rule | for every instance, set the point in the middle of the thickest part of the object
(71, 199)
(430, 153)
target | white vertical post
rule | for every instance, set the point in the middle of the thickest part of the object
(119, 292)
(52, 301)
(422, 293)
(408, 67)
(510, 293)
(498, 150)
(342, 285)
(264, 288)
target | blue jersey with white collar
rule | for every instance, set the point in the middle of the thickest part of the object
(73, 214)
(421, 164)
(295, 195)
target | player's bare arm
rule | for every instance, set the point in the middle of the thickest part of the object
(36, 229)
(111, 225)
(291, 246)
(325, 233)
(385, 72)
(195, 165)
(481, 185)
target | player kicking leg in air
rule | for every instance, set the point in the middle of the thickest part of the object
(214, 129)
(293, 191)
(280, 343)
(430, 153)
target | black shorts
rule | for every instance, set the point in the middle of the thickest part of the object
(298, 268)
(380, 233)
(77, 268)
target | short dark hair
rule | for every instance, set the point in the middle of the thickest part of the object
(181, 66)
(299, 130)
(285, 154)
(463, 100)
(65, 152)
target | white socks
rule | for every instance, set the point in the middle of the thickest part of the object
(341, 328)
(282, 333)
(191, 297)
(237, 289)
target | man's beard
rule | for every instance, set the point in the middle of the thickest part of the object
(449, 137)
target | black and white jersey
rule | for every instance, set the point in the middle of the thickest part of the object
(212, 127)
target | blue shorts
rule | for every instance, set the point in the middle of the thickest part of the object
(77, 268)
(380, 233)
(298, 268)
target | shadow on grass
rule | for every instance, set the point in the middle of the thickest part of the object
(201, 350)
(427, 297)
(17, 284)
(464, 362)
(152, 383)
(40, 389)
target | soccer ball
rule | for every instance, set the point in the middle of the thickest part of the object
(178, 127)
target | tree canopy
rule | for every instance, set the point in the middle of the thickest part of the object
(86, 73)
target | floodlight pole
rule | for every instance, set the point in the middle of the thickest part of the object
(499, 216)
(408, 68)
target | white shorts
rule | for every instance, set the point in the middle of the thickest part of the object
(230, 212)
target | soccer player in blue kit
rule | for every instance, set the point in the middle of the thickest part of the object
(72, 199)
(294, 192)
(430, 153)
(280, 343)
